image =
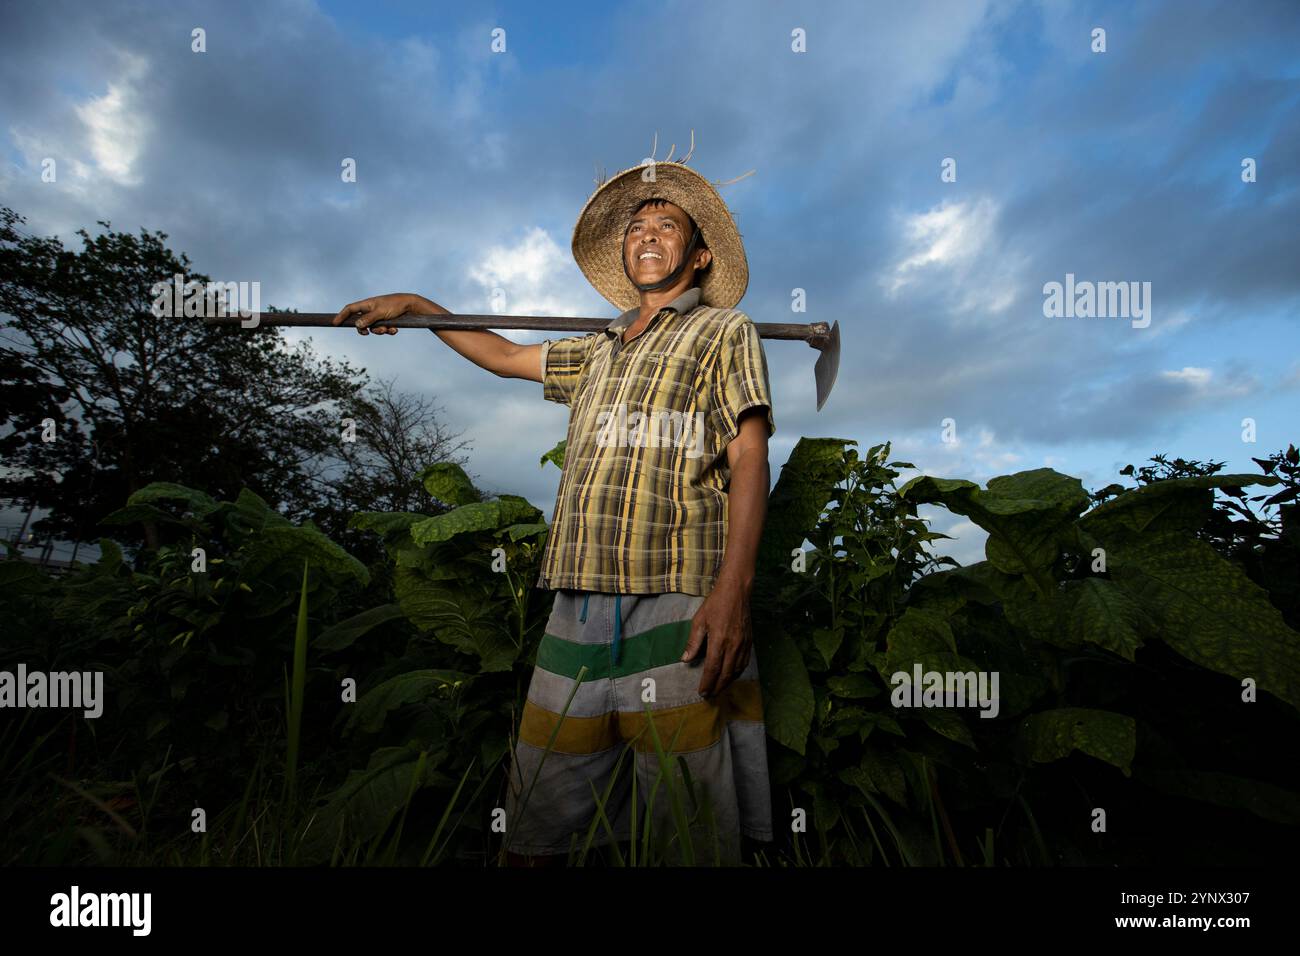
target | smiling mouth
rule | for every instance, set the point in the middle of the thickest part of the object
(649, 258)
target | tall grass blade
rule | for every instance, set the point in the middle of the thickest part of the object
(296, 694)
(511, 825)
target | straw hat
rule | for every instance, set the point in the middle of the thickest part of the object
(602, 224)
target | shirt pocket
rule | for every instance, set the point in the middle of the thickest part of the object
(667, 404)
(665, 380)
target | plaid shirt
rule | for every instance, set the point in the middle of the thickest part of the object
(642, 503)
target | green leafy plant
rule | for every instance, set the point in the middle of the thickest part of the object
(1074, 609)
(1143, 638)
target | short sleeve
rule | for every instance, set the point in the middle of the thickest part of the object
(741, 380)
(562, 362)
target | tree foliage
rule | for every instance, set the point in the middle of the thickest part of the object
(136, 398)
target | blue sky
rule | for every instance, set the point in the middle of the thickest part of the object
(473, 165)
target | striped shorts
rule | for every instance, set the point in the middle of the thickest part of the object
(631, 646)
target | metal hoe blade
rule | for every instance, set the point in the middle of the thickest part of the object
(828, 364)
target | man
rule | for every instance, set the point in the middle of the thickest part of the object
(656, 527)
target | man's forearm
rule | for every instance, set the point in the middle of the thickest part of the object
(746, 512)
(484, 348)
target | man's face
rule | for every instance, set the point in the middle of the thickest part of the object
(656, 242)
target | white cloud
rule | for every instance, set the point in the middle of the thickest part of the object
(1197, 378)
(975, 459)
(967, 546)
(115, 127)
(947, 235)
(533, 276)
(1178, 317)
(1203, 383)
(989, 457)
(957, 241)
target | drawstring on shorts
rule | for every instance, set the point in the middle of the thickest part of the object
(618, 620)
(618, 623)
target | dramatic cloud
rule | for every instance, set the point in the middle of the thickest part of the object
(472, 166)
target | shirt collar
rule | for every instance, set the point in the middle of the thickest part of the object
(681, 305)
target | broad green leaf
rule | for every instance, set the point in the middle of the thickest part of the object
(885, 773)
(1209, 611)
(1103, 734)
(372, 709)
(857, 777)
(386, 522)
(852, 686)
(784, 765)
(949, 723)
(1174, 504)
(367, 802)
(826, 812)
(827, 641)
(555, 455)
(1088, 611)
(787, 691)
(847, 719)
(1023, 513)
(945, 592)
(807, 480)
(448, 482)
(276, 544)
(110, 556)
(993, 645)
(1097, 611)
(920, 637)
(481, 516)
(885, 722)
(134, 514)
(518, 531)
(344, 633)
(465, 621)
(249, 511)
(425, 558)
(1265, 800)
(197, 501)
(1039, 616)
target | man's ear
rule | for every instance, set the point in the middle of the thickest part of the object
(702, 260)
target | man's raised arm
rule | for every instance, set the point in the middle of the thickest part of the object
(485, 349)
